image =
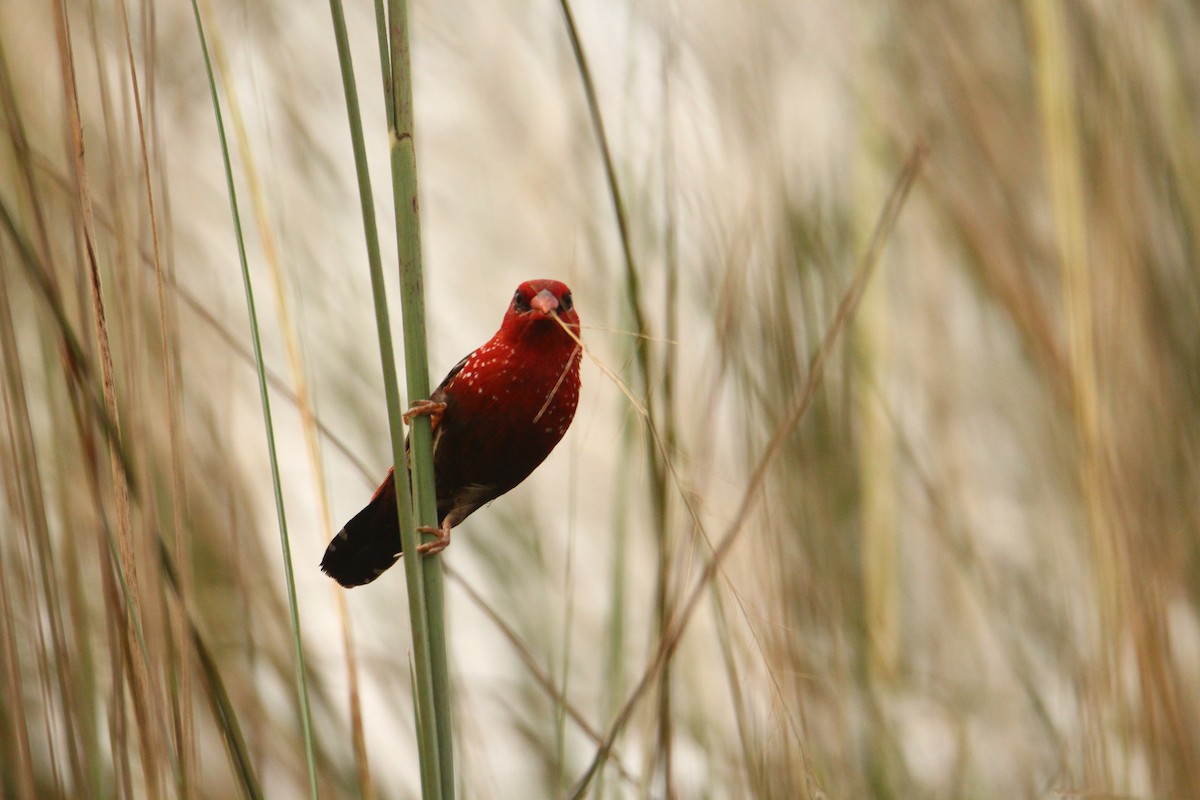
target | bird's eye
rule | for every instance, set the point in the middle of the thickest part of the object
(520, 302)
(567, 302)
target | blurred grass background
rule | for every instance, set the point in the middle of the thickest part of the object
(971, 570)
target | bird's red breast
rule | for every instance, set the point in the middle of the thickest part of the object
(508, 404)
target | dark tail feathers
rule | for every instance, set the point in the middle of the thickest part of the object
(369, 544)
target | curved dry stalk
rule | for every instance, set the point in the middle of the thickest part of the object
(678, 623)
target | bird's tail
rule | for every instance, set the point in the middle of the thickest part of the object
(370, 542)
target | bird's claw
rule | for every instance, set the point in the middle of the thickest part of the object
(423, 408)
(437, 545)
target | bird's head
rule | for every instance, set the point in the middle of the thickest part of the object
(534, 306)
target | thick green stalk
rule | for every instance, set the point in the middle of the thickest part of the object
(424, 582)
(416, 359)
(423, 683)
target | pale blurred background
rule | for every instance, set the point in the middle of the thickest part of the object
(970, 570)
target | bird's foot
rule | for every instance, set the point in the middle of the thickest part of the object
(424, 408)
(440, 543)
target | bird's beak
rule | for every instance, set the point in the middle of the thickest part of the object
(545, 302)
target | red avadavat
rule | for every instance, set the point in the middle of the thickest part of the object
(495, 417)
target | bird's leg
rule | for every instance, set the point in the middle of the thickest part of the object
(440, 543)
(424, 408)
(434, 410)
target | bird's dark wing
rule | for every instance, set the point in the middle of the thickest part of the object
(439, 394)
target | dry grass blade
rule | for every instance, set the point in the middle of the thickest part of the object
(536, 672)
(224, 712)
(144, 693)
(800, 404)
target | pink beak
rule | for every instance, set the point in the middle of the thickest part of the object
(545, 302)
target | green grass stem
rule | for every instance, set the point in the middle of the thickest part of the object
(416, 361)
(284, 541)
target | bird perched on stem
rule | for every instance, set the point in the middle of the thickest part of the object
(495, 417)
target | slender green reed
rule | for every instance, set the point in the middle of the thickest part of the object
(656, 447)
(371, 236)
(284, 541)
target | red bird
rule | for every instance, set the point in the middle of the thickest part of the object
(495, 417)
